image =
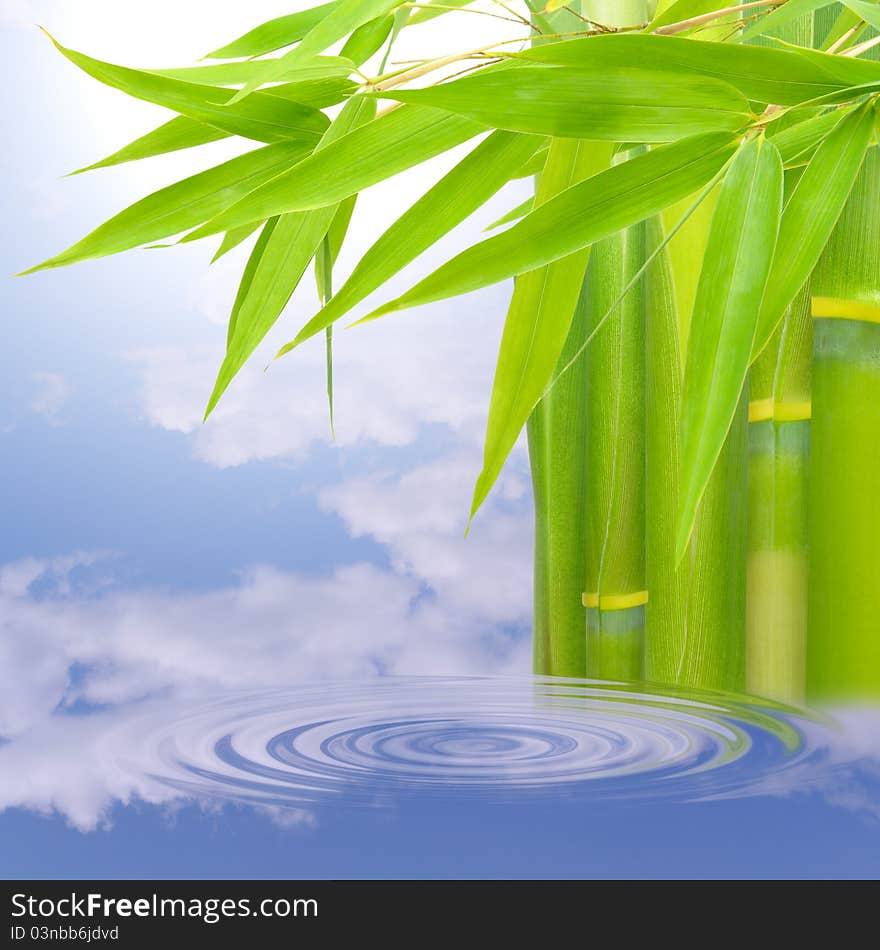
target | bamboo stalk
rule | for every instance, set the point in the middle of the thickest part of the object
(695, 617)
(843, 656)
(557, 440)
(557, 453)
(615, 576)
(779, 447)
(615, 579)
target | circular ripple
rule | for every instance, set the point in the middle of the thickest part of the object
(475, 735)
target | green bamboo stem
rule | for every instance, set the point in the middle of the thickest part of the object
(777, 567)
(666, 610)
(616, 578)
(557, 446)
(557, 453)
(843, 655)
(557, 440)
(695, 618)
(616, 582)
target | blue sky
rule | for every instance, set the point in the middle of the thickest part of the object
(143, 553)
(129, 524)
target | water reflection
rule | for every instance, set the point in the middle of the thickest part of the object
(299, 751)
(478, 735)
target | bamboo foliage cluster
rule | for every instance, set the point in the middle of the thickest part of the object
(706, 191)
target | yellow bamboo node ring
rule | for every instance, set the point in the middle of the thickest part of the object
(762, 410)
(834, 308)
(615, 601)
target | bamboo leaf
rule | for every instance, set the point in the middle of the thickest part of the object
(235, 74)
(740, 246)
(796, 143)
(233, 238)
(274, 34)
(535, 165)
(179, 133)
(579, 216)
(264, 118)
(279, 262)
(457, 195)
(290, 246)
(247, 277)
(345, 17)
(785, 13)
(609, 104)
(520, 211)
(538, 320)
(810, 215)
(368, 38)
(682, 10)
(786, 76)
(389, 144)
(845, 22)
(869, 12)
(433, 9)
(183, 132)
(182, 205)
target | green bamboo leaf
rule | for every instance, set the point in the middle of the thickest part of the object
(247, 277)
(179, 133)
(869, 12)
(796, 143)
(290, 246)
(740, 246)
(456, 196)
(785, 76)
(610, 104)
(389, 144)
(435, 8)
(274, 35)
(235, 74)
(345, 17)
(784, 13)
(535, 165)
(368, 38)
(333, 245)
(538, 319)
(846, 21)
(810, 215)
(324, 267)
(579, 216)
(682, 10)
(263, 117)
(316, 93)
(182, 132)
(520, 211)
(233, 238)
(182, 205)
(278, 263)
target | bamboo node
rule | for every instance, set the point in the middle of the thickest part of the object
(836, 308)
(764, 410)
(615, 601)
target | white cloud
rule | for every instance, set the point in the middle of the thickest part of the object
(421, 516)
(53, 392)
(270, 628)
